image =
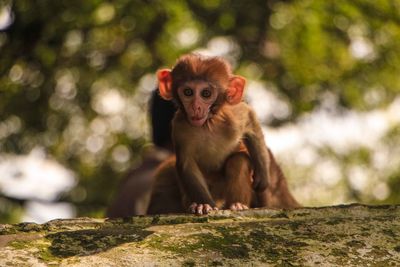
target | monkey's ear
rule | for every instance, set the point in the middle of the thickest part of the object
(235, 90)
(165, 83)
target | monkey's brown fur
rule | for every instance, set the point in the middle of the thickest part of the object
(211, 170)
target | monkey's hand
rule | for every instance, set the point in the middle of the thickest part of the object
(200, 209)
(238, 206)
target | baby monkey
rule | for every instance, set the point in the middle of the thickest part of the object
(222, 161)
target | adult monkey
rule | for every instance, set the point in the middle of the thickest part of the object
(132, 195)
(221, 157)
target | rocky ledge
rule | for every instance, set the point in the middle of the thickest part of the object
(349, 235)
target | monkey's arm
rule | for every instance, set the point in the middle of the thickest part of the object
(255, 143)
(192, 181)
(190, 178)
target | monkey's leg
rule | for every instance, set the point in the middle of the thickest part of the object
(238, 181)
(277, 194)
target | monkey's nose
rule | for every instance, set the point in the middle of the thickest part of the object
(196, 108)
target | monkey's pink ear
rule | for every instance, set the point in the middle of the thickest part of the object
(165, 83)
(235, 90)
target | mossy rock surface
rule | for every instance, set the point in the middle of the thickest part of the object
(352, 235)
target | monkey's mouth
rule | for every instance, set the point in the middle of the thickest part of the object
(198, 121)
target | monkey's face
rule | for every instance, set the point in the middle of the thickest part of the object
(197, 97)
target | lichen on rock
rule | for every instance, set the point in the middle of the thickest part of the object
(352, 235)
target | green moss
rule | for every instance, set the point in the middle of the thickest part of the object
(280, 215)
(389, 233)
(273, 248)
(302, 214)
(378, 252)
(385, 218)
(383, 207)
(339, 252)
(86, 242)
(21, 227)
(227, 242)
(335, 221)
(365, 232)
(229, 245)
(41, 250)
(7, 229)
(135, 221)
(328, 238)
(20, 244)
(157, 242)
(294, 225)
(355, 244)
(230, 240)
(216, 263)
(28, 227)
(178, 219)
(189, 263)
(271, 254)
(44, 254)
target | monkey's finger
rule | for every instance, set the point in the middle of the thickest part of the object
(207, 208)
(241, 206)
(193, 207)
(199, 209)
(238, 206)
(235, 206)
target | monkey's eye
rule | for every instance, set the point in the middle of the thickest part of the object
(206, 93)
(188, 92)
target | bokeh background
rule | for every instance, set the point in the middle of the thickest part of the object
(76, 77)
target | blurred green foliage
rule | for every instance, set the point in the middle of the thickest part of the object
(58, 58)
